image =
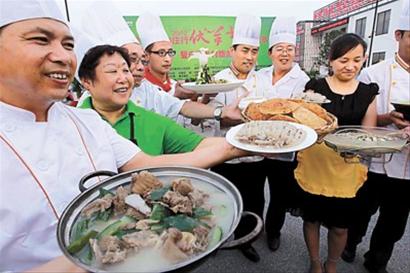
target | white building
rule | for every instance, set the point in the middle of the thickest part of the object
(353, 16)
(384, 45)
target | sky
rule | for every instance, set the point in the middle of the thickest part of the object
(300, 9)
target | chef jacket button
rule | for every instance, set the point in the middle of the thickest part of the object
(42, 165)
(9, 127)
(394, 65)
(393, 82)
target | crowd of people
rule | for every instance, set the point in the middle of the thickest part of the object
(133, 115)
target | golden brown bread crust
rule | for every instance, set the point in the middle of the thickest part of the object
(278, 106)
(309, 118)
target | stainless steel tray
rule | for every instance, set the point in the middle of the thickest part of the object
(366, 142)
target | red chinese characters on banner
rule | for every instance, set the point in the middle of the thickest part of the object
(200, 36)
(340, 8)
(217, 34)
(196, 36)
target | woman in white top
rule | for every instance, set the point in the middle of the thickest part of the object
(283, 79)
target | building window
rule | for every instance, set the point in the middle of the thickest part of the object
(361, 27)
(383, 20)
(378, 57)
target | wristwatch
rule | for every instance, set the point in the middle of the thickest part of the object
(218, 113)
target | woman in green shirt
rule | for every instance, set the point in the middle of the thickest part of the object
(104, 72)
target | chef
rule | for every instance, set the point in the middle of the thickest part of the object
(103, 24)
(46, 146)
(160, 54)
(388, 184)
(246, 173)
(283, 79)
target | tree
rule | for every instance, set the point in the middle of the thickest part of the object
(324, 48)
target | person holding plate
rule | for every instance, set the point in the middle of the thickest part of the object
(247, 173)
(110, 92)
(283, 79)
(46, 146)
(389, 183)
(330, 184)
(103, 24)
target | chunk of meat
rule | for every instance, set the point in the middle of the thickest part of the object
(109, 250)
(141, 239)
(144, 182)
(169, 249)
(201, 234)
(119, 200)
(100, 204)
(198, 197)
(183, 186)
(187, 242)
(177, 202)
(134, 213)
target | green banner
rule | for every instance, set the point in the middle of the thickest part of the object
(190, 33)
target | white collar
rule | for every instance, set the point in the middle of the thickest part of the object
(10, 112)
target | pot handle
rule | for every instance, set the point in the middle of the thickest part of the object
(248, 237)
(91, 175)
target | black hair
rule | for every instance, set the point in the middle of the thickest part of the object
(401, 32)
(92, 59)
(149, 47)
(344, 43)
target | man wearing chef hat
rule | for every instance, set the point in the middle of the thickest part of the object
(46, 146)
(388, 184)
(160, 54)
(103, 24)
(244, 53)
(283, 79)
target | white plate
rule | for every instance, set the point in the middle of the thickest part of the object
(309, 140)
(212, 88)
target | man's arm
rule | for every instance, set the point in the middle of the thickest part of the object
(205, 157)
(393, 117)
(192, 109)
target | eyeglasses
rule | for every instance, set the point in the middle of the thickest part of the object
(163, 52)
(138, 60)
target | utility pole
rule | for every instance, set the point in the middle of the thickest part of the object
(372, 34)
(66, 10)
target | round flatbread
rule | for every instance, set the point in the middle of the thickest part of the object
(278, 106)
(252, 112)
(309, 118)
(317, 109)
(284, 118)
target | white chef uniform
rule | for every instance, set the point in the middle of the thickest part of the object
(288, 86)
(246, 32)
(393, 81)
(57, 155)
(283, 30)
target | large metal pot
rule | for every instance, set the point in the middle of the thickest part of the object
(165, 174)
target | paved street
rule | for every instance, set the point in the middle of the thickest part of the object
(292, 254)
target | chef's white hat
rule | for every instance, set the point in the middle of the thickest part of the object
(283, 31)
(404, 20)
(150, 29)
(247, 30)
(12, 11)
(83, 42)
(103, 22)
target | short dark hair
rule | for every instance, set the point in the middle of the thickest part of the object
(149, 47)
(344, 43)
(92, 59)
(399, 30)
